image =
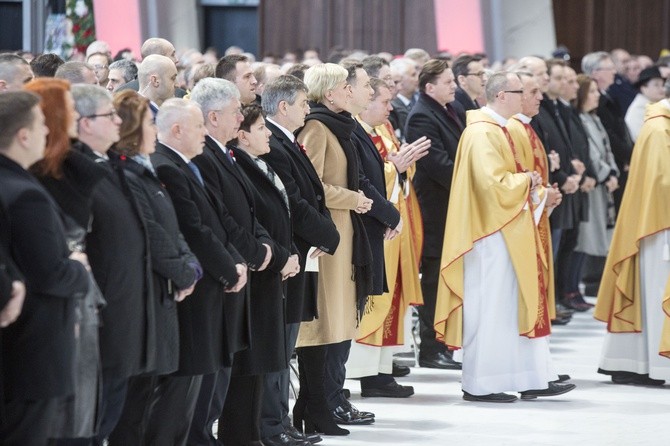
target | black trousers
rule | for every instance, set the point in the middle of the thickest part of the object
(335, 373)
(28, 422)
(430, 273)
(276, 387)
(240, 421)
(158, 410)
(114, 391)
(208, 407)
(563, 264)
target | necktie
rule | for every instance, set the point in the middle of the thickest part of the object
(559, 122)
(274, 178)
(454, 116)
(196, 172)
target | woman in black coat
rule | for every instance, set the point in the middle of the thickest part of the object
(70, 178)
(175, 269)
(241, 414)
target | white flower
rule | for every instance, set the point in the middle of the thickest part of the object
(80, 8)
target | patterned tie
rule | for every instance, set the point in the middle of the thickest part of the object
(196, 172)
(274, 178)
(454, 116)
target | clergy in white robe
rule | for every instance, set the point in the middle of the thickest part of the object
(634, 295)
(491, 299)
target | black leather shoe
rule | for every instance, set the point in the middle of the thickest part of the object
(439, 361)
(563, 311)
(635, 379)
(399, 370)
(490, 398)
(350, 415)
(284, 439)
(552, 390)
(390, 390)
(346, 393)
(561, 379)
(561, 320)
(294, 433)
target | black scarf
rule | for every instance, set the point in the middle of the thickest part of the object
(342, 125)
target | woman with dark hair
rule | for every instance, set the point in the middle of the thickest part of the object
(345, 278)
(175, 268)
(71, 178)
(595, 234)
(242, 408)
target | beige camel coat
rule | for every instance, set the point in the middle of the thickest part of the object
(336, 301)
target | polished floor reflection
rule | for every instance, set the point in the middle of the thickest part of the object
(596, 413)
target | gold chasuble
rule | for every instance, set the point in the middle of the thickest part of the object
(383, 320)
(532, 156)
(645, 211)
(488, 194)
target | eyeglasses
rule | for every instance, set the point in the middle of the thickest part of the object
(99, 67)
(513, 91)
(109, 115)
(478, 74)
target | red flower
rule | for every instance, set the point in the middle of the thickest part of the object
(75, 28)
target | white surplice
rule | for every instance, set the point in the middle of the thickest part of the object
(638, 352)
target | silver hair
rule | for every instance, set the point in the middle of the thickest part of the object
(211, 93)
(127, 67)
(9, 66)
(284, 88)
(172, 111)
(591, 62)
(89, 98)
(400, 66)
(73, 71)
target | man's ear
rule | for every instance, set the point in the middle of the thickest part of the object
(3, 85)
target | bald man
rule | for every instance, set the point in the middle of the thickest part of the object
(156, 77)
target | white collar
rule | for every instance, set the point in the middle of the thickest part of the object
(284, 130)
(404, 99)
(523, 118)
(181, 155)
(502, 122)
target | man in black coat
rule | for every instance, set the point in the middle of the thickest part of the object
(469, 73)
(117, 247)
(37, 349)
(218, 99)
(381, 222)
(433, 116)
(405, 73)
(213, 321)
(285, 102)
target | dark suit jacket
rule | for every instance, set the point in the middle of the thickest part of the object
(117, 248)
(432, 180)
(554, 138)
(622, 92)
(38, 349)
(174, 267)
(268, 318)
(383, 213)
(465, 103)
(213, 325)
(232, 188)
(398, 116)
(311, 222)
(8, 270)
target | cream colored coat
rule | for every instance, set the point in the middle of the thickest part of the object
(336, 301)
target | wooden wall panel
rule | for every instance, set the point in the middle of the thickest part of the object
(641, 27)
(371, 25)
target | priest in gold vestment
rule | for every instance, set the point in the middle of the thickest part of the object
(382, 325)
(634, 295)
(490, 297)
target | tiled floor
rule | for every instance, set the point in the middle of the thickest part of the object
(596, 413)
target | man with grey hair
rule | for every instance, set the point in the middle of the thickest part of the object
(121, 72)
(285, 102)
(491, 230)
(212, 322)
(98, 46)
(14, 72)
(220, 107)
(156, 76)
(405, 75)
(117, 246)
(77, 73)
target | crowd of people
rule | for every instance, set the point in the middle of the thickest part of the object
(174, 230)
